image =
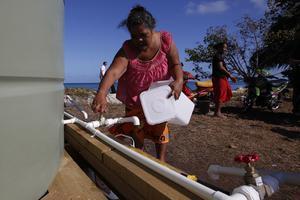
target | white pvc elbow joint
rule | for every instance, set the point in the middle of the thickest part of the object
(136, 121)
(85, 115)
(69, 121)
(247, 191)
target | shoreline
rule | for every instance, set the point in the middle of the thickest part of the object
(111, 98)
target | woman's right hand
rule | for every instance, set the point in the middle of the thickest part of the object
(99, 103)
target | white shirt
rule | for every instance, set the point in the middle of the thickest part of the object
(102, 71)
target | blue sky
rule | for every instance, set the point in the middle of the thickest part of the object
(91, 33)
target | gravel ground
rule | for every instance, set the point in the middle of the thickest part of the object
(207, 140)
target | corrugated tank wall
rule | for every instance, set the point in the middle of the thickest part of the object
(31, 96)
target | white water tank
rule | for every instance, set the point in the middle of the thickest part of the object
(31, 96)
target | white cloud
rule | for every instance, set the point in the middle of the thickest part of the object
(190, 8)
(207, 7)
(259, 3)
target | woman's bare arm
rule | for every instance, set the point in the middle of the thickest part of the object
(114, 72)
(228, 74)
(176, 71)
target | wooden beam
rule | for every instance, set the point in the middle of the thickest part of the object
(118, 185)
(96, 147)
(128, 178)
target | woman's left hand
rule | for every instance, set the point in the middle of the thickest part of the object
(176, 87)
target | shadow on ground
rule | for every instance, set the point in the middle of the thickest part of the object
(278, 118)
(295, 135)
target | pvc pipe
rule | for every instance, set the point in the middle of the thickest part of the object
(283, 177)
(128, 137)
(85, 115)
(135, 120)
(109, 122)
(69, 101)
(69, 121)
(94, 124)
(214, 171)
(272, 183)
(197, 188)
(193, 186)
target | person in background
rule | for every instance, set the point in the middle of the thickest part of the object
(295, 80)
(102, 74)
(220, 73)
(294, 61)
(102, 70)
(148, 56)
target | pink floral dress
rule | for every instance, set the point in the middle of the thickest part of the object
(140, 74)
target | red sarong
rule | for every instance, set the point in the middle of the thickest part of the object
(222, 89)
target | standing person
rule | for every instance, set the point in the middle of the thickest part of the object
(102, 70)
(220, 73)
(102, 73)
(148, 56)
(294, 62)
(295, 80)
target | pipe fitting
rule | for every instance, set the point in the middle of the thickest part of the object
(69, 121)
(248, 191)
(283, 177)
(271, 184)
(136, 121)
(110, 122)
(93, 124)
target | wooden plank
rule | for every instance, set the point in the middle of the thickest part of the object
(118, 185)
(130, 179)
(156, 160)
(97, 147)
(72, 183)
(145, 183)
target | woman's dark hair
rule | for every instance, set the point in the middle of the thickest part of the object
(219, 45)
(139, 15)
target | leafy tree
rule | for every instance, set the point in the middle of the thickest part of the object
(203, 52)
(282, 43)
(282, 38)
(241, 46)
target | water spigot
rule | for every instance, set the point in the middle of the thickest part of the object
(251, 176)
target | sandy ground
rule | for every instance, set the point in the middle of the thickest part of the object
(207, 140)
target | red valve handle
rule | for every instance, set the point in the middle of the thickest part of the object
(246, 158)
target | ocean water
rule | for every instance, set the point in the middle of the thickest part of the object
(93, 86)
(191, 84)
(238, 84)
